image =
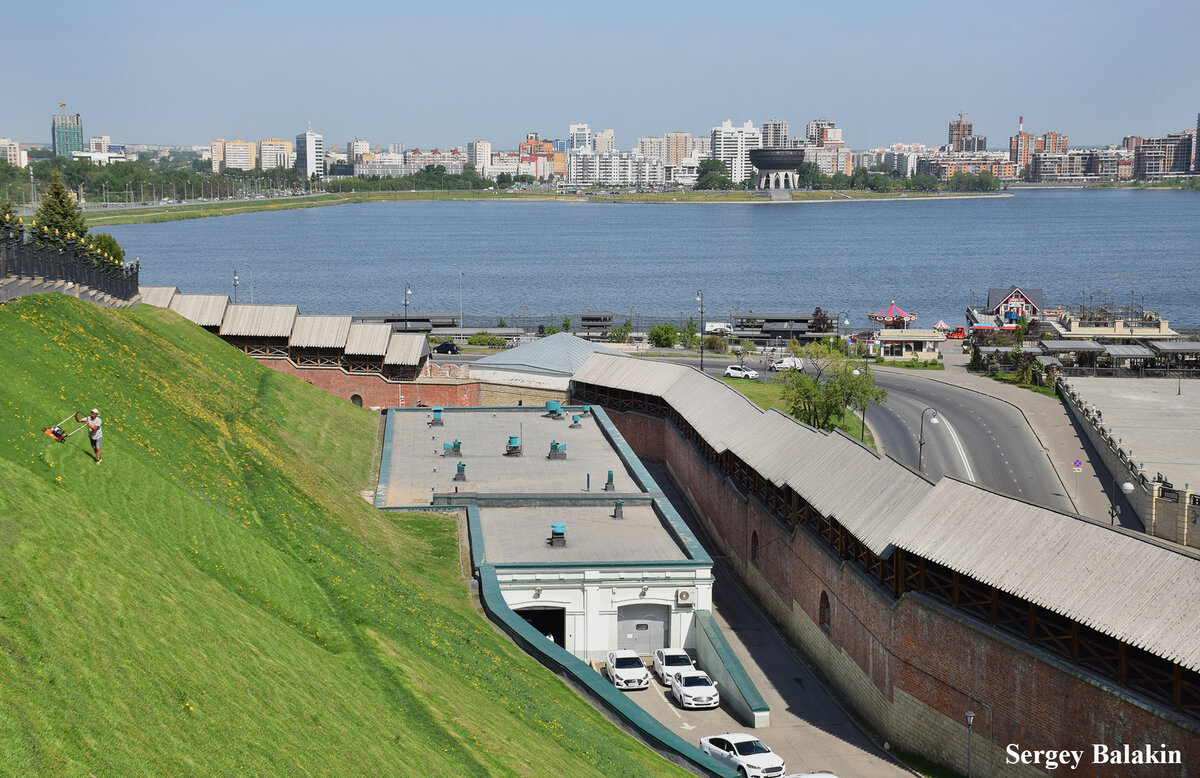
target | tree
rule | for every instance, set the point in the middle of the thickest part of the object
(504, 180)
(687, 336)
(820, 321)
(58, 211)
(820, 396)
(6, 211)
(107, 244)
(809, 176)
(714, 343)
(620, 334)
(662, 335)
(566, 324)
(712, 174)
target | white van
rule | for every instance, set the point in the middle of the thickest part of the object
(787, 363)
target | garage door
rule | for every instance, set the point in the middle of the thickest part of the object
(642, 628)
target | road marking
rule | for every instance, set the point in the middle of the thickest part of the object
(961, 452)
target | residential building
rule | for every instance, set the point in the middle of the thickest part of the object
(580, 136)
(1159, 158)
(679, 146)
(614, 168)
(945, 164)
(1023, 145)
(99, 143)
(702, 147)
(903, 162)
(356, 148)
(538, 155)
(732, 146)
(503, 162)
(829, 159)
(774, 134)
(653, 147)
(479, 154)
(454, 157)
(240, 155)
(217, 152)
(686, 173)
(604, 140)
(1109, 164)
(962, 137)
(310, 154)
(395, 148)
(66, 133)
(12, 153)
(822, 132)
(275, 153)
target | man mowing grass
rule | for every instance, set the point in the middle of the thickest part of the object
(95, 434)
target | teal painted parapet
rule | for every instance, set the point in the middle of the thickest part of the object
(718, 660)
(595, 685)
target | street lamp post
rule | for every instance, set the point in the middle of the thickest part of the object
(235, 286)
(251, 271)
(700, 299)
(970, 721)
(843, 317)
(921, 449)
(460, 298)
(866, 399)
(407, 294)
(1114, 510)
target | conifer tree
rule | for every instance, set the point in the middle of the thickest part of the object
(58, 211)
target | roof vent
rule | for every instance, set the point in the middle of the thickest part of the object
(575, 422)
(554, 409)
(619, 510)
(513, 449)
(436, 421)
(558, 535)
(557, 450)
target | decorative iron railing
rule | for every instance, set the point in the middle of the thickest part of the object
(28, 252)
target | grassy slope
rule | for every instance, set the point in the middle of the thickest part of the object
(769, 394)
(215, 597)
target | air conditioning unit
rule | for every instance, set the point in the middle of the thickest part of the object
(685, 596)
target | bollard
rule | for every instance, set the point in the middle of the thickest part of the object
(609, 487)
(619, 510)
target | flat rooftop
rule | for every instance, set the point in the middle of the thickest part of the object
(1148, 415)
(516, 535)
(418, 470)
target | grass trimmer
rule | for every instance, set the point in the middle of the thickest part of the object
(57, 433)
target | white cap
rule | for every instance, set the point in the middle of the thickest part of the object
(96, 411)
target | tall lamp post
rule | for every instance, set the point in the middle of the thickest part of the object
(921, 449)
(843, 317)
(235, 286)
(460, 305)
(251, 271)
(1114, 510)
(970, 721)
(407, 294)
(700, 299)
(866, 399)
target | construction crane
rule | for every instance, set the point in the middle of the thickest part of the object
(63, 106)
(961, 114)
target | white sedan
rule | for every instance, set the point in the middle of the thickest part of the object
(747, 754)
(668, 661)
(737, 371)
(694, 689)
(627, 670)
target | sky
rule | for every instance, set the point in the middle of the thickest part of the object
(444, 74)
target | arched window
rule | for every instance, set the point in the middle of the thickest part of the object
(356, 399)
(824, 616)
(754, 547)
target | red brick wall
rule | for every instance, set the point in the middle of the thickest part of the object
(375, 391)
(947, 660)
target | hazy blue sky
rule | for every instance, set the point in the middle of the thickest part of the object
(446, 73)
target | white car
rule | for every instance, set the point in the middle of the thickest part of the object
(737, 371)
(694, 689)
(787, 363)
(627, 670)
(747, 754)
(668, 661)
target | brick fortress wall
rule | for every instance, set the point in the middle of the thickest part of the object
(912, 667)
(375, 391)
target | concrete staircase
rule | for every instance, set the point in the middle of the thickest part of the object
(13, 287)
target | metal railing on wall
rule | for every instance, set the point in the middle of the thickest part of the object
(28, 253)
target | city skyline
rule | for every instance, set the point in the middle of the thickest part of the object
(884, 78)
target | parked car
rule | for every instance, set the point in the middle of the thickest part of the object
(449, 347)
(737, 371)
(668, 661)
(626, 670)
(694, 689)
(787, 363)
(747, 754)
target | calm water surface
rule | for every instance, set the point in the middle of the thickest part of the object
(553, 259)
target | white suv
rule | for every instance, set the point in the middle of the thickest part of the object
(627, 670)
(737, 371)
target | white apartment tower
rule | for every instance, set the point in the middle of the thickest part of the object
(581, 137)
(732, 146)
(774, 134)
(355, 149)
(604, 140)
(310, 154)
(275, 153)
(479, 154)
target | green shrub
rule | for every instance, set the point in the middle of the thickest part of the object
(484, 339)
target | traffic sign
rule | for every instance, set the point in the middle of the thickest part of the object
(1077, 463)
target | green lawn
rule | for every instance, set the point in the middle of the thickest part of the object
(215, 598)
(767, 394)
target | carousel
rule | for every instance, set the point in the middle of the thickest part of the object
(898, 342)
(893, 318)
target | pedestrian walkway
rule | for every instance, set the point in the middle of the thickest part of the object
(1062, 442)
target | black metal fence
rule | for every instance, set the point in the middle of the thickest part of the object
(27, 253)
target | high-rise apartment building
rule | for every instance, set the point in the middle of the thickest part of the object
(66, 133)
(653, 147)
(275, 153)
(1196, 147)
(1023, 145)
(355, 149)
(822, 132)
(580, 136)
(310, 154)
(240, 155)
(679, 147)
(10, 152)
(775, 134)
(217, 151)
(732, 146)
(479, 154)
(1157, 158)
(604, 140)
(537, 155)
